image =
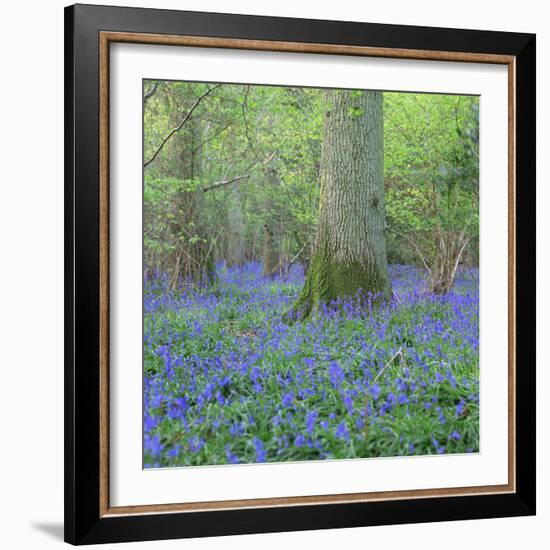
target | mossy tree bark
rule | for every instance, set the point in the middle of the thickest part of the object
(350, 248)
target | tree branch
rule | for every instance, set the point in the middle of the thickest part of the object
(416, 247)
(151, 92)
(225, 182)
(398, 352)
(298, 254)
(249, 141)
(458, 256)
(180, 125)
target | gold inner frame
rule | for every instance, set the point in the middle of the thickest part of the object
(105, 39)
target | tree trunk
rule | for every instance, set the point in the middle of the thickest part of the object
(449, 247)
(270, 253)
(235, 227)
(350, 248)
(270, 248)
(194, 259)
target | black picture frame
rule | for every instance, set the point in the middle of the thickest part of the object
(84, 522)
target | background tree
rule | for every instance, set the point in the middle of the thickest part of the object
(177, 234)
(259, 153)
(432, 157)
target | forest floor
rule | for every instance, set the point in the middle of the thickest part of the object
(226, 381)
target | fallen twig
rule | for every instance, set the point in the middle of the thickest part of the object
(398, 352)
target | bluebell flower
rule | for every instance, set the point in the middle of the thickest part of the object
(260, 449)
(232, 458)
(342, 431)
(375, 391)
(196, 444)
(311, 419)
(440, 415)
(435, 443)
(455, 435)
(336, 374)
(174, 452)
(288, 399)
(153, 445)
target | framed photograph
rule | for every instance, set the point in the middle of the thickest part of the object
(300, 274)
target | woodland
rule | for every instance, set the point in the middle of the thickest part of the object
(310, 263)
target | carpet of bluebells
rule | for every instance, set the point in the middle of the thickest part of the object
(226, 381)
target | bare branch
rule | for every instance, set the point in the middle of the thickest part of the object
(151, 92)
(180, 125)
(208, 140)
(298, 253)
(225, 182)
(416, 247)
(458, 256)
(398, 352)
(249, 141)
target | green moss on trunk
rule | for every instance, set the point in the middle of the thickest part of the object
(327, 280)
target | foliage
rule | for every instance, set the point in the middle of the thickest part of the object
(268, 137)
(431, 167)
